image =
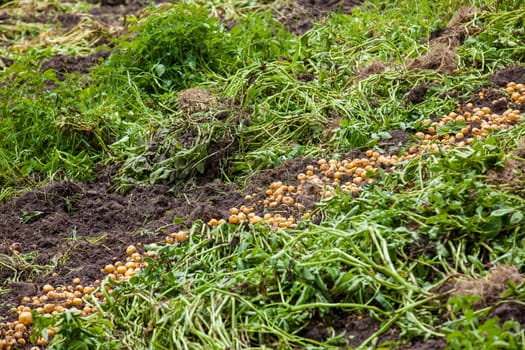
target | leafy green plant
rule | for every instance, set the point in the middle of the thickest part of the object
(472, 331)
(172, 49)
(74, 332)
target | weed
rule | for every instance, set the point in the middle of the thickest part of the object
(18, 266)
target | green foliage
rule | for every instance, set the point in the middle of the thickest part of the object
(182, 149)
(172, 49)
(259, 39)
(49, 132)
(471, 331)
(74, 331)
(237, 286)
(18, 267)
(445, 197)
(500, 42)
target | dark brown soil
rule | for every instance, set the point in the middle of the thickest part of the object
(394, 145)
(510, 74)
(299, 16)
(509, 311)
(444, 43)
(356, 329)
(63, 65)
(492, 96)
(417, 93)
(68, 20)
(64, 222)
(58, 226)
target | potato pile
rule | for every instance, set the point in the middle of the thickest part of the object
(52, 300)
(124, 270)
(327, 177)
(134, 262)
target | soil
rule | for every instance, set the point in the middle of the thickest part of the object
(64, 222)
(417, 93)
(490, 288)
(63, 64)
(509, 74)
(298, 17)
(354, 329)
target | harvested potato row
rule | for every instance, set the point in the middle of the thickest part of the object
(281, 205)
(53, 300)
(455, 129)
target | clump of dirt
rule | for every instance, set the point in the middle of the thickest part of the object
(509, 311)
(5, 62)
(417, 93)
(298, 17)
(331, 127)
(194, 100)
(491, 287)
(393, 145)
(305, 77)
(440, 58)
(496, 100)
(376, 67)
(63, 65)
(68, 20)
(444, 43)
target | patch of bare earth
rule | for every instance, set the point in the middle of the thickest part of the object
(73, 229)
(62, 64)
(299, 16)
(489, 288)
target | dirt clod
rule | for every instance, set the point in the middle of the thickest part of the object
(444, 43)
(417, 93)
(490, 287)
(195, 100)
(510, 74)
